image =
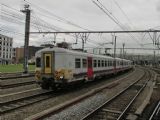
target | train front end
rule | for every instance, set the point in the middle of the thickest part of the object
(47, 73)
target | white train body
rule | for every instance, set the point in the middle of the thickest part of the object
(59, 66)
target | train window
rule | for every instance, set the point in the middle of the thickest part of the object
(77, 63)
(95, 63)
(47, 61)
(99, 63)
(108, 63)
(112, 63)
(102, 63)
(105, 63)
(84, 63)
(38, 62)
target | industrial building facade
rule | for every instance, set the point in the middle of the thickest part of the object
(6, 49)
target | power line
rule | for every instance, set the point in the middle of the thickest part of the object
(122, 11)
(59, 18)
(105, 10)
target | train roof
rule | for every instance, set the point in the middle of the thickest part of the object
(62, 50)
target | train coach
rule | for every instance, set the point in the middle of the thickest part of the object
(56, 67)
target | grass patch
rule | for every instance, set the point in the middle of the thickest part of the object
(14, 68)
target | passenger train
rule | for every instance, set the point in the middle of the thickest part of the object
(56, 67)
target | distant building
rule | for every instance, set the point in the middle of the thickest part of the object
(5, 49)
(19, 53)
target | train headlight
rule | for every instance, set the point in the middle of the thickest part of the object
(61, 77)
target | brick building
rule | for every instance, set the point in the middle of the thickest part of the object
(19, 53)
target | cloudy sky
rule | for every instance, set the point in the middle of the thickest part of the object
(73, 15)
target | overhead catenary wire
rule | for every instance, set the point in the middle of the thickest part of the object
(105, 10)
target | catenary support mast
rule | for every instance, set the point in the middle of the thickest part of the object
(27, 11)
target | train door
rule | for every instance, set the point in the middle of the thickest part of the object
(90, 69)
(47, 63)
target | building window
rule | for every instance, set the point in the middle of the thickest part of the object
(84, 63)
(95, 63)
(77, 63)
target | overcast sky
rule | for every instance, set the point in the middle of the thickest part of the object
(133, 14)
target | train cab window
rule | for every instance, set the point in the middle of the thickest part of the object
(95, 63)
(77, 63)
(38, 62)
(99, 63)
(47, 61)
(102, 63)
(84, 63)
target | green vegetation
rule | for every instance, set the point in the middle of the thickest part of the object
(14, 68)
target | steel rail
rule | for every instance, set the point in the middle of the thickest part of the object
(15, 103)
(16, 76)
(156, 110)
(17, 84)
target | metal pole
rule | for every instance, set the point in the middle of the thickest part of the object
(115, 53)
(123, 50)
(26, 43)
(154, 59)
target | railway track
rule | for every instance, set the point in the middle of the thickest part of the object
(13, 85)
(16, 82)
(118, 106)
(10, 105)
(5, 76)
(156, 112)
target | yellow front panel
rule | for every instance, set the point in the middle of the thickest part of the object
(48, 66)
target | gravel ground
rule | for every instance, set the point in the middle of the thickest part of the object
(80, 110)
(38, 107)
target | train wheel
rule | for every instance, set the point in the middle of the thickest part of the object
(45, 84)
(54, 87)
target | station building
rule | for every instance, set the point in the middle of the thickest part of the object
(5, 49)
